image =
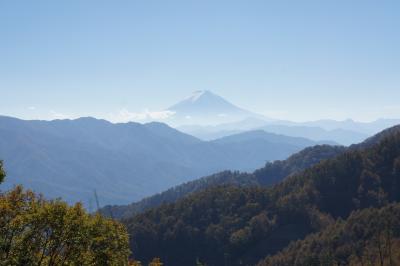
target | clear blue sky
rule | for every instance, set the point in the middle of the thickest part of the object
(299, 60)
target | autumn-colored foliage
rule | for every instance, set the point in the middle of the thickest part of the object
(36, 231)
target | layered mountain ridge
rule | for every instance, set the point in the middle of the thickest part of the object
(123, 162)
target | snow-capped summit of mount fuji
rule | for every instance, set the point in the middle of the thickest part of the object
(205, 107)
(205, 102)
(196, 95)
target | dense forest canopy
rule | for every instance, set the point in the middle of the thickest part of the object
(368, 237)
(230, 225)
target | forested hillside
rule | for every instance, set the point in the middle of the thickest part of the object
(368, 237)
(271, 173)
(229, 225)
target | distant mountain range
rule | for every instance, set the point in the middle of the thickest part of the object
(124, 162)
(209, 116)
(338, 135)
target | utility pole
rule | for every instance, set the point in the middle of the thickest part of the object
(98, 205)
(97, 201)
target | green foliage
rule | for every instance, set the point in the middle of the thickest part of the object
(231, 225)
(35, 231)
(367, 237)
(276, 171)
(217, 226)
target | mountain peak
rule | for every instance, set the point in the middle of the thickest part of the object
(206, 107)
(202, 95)
(204, 101)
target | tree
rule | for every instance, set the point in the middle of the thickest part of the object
(35, 231)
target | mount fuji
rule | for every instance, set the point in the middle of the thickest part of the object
(206, 108)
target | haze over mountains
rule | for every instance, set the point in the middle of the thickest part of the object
(124, 162)
(209, 116)
(338, 135)
(270, 174)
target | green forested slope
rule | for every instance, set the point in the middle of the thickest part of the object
(238, 226)
(368, 237)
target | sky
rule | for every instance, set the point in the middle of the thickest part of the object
(296, 60)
